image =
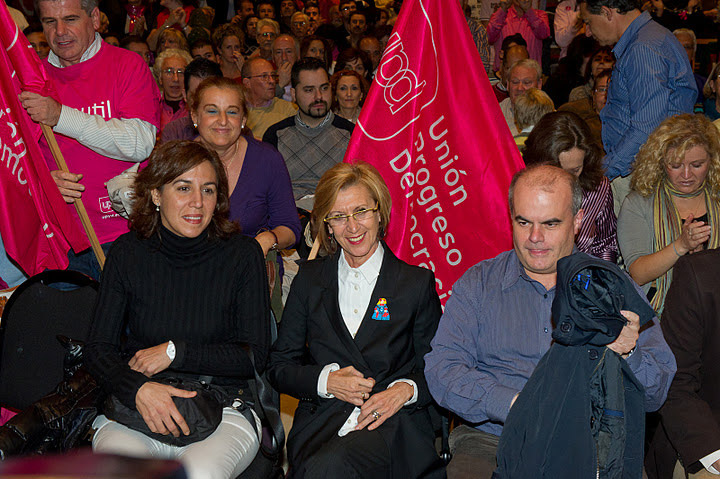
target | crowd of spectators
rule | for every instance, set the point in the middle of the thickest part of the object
(620, 95)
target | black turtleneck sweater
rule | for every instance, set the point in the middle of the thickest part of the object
(207, 296)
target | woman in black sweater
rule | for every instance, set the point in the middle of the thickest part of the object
(179, 296)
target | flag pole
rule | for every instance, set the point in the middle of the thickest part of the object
(79, 206)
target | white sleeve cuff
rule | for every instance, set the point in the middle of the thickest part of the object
(413, 399)
(709, 460)
(323, 379)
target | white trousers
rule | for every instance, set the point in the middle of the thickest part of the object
(224, 454)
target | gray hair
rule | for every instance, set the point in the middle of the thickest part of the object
(268, 22)
(532, 106)
(545, 177)
(169, 53)
(689, 33)
(87, 5)
(527, 63)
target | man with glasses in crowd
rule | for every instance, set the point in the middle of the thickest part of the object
(264, 109)
(267, 31)
(108, 117)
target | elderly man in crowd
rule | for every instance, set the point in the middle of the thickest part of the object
(182, 128)
(518, 16)
(169, 70)
(286, 51)
(107, 116)
(497, 324)
(512, 54)
(373, 48)
(315, 139)
(267, 31)
(264, 109)
(524, 75)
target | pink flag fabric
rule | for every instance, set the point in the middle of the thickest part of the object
(35, 223)
(432, 126)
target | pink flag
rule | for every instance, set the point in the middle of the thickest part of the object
(35, 224)
(432, 126)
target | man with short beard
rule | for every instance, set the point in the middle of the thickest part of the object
(314, 139)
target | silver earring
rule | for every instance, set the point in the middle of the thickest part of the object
(157, 207)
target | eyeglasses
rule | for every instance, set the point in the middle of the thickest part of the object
(268, 34)
(341, 220)
(601, 89)
(299, 24)
(266, 76)
(171, 71)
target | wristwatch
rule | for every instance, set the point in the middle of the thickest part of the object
(170, 351)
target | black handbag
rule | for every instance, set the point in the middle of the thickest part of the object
(202, 413)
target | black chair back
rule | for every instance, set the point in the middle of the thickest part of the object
(31, 358)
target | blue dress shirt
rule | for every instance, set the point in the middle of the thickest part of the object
(652, 80)
(496, 327)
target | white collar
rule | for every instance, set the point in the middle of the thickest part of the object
(91, 51)
(369, 270)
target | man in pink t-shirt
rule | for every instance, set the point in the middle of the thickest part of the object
(106, 119)
(518, 16)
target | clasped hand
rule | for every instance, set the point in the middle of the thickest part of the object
(694, 234)
(627, 339)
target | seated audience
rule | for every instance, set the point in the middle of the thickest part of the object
(204, 49)
(169, 70)
(264, 108)
(267, 30)
(171, 38)
(197, 70)
(529, 108)
(137, 45)
(349, 90)
(37, 39)
(180, 295)
(711, 90)
(259, 188)
(497, 324)
(316, 47)
(562, 139)
(227, 40)
(286, 51)
(249, 28)
(589, 108)
(601, 59)
(354, 59)
(175, 15)
(299, 25)
(512, 55)
(518, 16)
(524, 75)
(673, 207)
(356, 326)
(568, 74)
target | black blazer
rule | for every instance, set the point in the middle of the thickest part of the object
(691, 325)
(313, 334)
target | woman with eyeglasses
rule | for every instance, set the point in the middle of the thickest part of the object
(169, 70)
(261, 198)
(356, 326)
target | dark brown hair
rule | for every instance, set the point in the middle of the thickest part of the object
(562, 131)
(165, 164)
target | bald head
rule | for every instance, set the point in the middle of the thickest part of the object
(547, 178)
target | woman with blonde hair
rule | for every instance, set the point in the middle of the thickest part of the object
(358, 309)
(673, 208)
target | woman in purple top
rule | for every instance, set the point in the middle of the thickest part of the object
(261, 197)
(563, 139)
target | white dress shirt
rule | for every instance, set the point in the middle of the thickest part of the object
(355, 288)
